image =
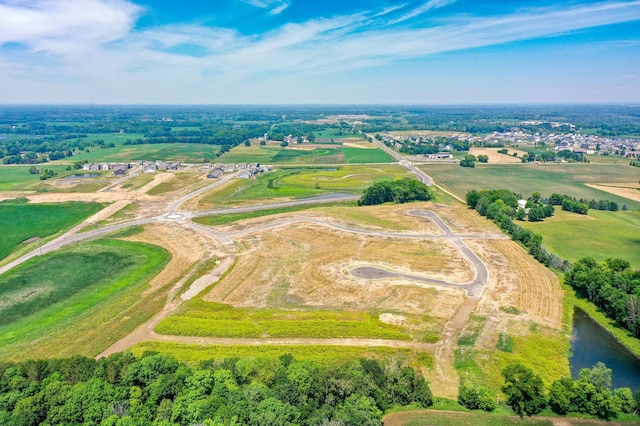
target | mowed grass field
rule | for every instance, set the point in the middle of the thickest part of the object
(302, 183)
(600, 234)
(22, 221)
(206, 319)
(77, 300)
(567, 179)
(304, 155)
(18, 178)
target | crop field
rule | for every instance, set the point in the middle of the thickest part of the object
(323, 355)
(306, 154)
(18, 178)
(600, 234)
(162, 151)
(301, 183)
(47, 300)
(570, 179)
(20, 221)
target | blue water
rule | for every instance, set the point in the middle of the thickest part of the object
(592, 344)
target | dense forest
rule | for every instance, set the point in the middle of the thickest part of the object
(158, 390)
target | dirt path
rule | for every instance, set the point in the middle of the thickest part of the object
(446, 380)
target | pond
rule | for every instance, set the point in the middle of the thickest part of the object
(592, 344)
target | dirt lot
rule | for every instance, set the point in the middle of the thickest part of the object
(627, 190)
(495, 157)
(307, 266)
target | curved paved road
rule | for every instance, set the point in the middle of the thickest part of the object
(474, 288)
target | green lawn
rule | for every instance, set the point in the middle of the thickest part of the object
(567, 179)
(49, 297)
(18, 178)
(302, 183)
(600, 234)
(21, 221)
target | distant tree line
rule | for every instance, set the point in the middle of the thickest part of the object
(398, 191)
(157, 390)
(612, 286)
(582, 205)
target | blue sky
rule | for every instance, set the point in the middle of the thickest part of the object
(318, 52)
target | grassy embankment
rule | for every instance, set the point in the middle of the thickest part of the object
(78, 300)
(22, 221)
(301, 183)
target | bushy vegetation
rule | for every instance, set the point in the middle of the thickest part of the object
(476, 397)
(612, 286)
(398, 191)
(158, 390)
(591, 394)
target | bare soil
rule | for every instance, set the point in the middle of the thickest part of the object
(630, 190)
(496, 158)
(308, 266)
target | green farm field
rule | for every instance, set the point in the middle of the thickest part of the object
(302, 183)
(600, 234)
(52, 304)
(18, 178)
(22, 221)
(293, 155)
(567, 179)
(323, 355)
(185, 152)
(206, 319)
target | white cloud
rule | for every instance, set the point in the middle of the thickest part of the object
(422, 9)
(141, 65)
(62, 26)
(276, 6)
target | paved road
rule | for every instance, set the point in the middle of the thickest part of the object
(424, 178)
(474, 288)
(175, 205)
